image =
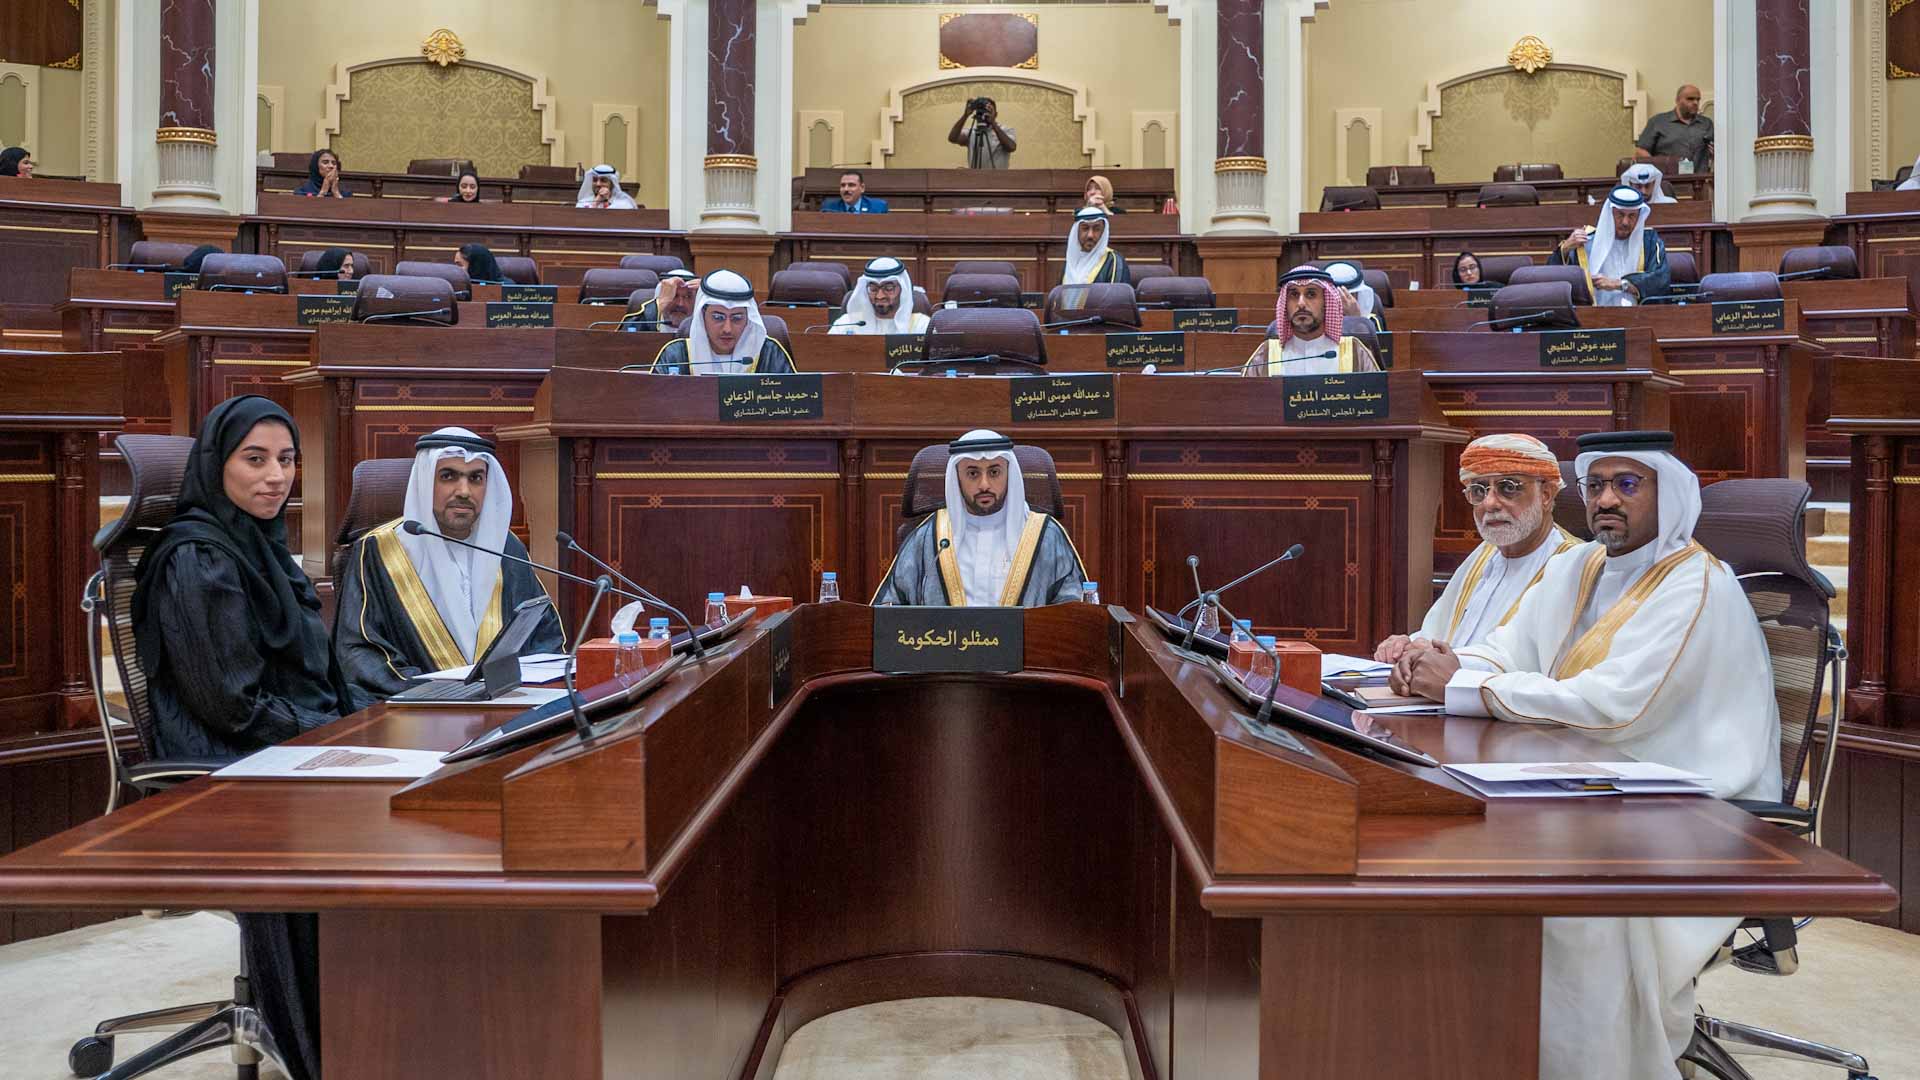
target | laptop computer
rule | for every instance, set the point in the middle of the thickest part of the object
(497, 671)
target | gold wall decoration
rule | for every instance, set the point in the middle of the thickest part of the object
(398, 112)
(443, 47)
(1529, 54)
(1562, 114)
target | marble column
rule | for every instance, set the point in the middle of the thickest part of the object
(185, 137)
(1240, 163)
(731, 166)
(1783, 84)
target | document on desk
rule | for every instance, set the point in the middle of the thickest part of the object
(1577, 779)
(1334, 665)
(332, 763)
(534, 668)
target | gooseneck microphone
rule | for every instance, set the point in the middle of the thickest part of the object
(1266, 703)
(568, 543)
(414, 528)
(1212, 596)
(600, 587)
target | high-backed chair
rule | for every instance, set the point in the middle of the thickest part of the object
(157, 464)
(808, 286)
(227, 272)
(1758, 529)
(1355, 327)
(1836, 259)
(1681, 269)
(1903, 174)
(398, 298)
(1380, 176)
(1349, 198)
(379, 495)
(1524, 173)
(1668, 164)
(310, 261)
(987, 266)
(1572, 275)
(1010, 335)
(1175, 292)
(611, 285)
(455, 276)
(158, 255)
(519, 269)
(847, 276)
(1507, 195)
(1742, 285)
(1552, 301)
(1380, 283)
(438, 166)
(1499, 268)
(922, 304)
(1113, 305)
(659, 264)
(926, 486)
(1145, 271)
(1569, 509)
(997, 290)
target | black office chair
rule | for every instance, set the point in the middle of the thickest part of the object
(1836, 260)
(1336, 199)
(1742, 285)
(519, 269)
(224, 271)
(926, 490)
(610, 285)
(1758, 528)
(659, 264)
(453, 274)
(1549, 303)
(158, 464)
(983, 289)
(983, 341)
(378, 495)
(1575, 278)
(1111, 303)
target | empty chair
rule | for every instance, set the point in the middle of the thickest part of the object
(1004, 333)
(1572, 275)
(1000, 290)
(1498, 269)
(1837, 260)
(1681, 269)
(792, 286)
(1176, 292)
(659, 264)
(987, 266)
(454, 276)
(611, 285)
(1381, 284)
(378, 495)
(1380, 176)
(1095, 309)
(550, 174)
(1550, 301)
(1742, 285)
(158, 255)
(1139, 272)
(397, 298)
(438, 166)
(926, 488)
(310, 261)
(253, 273)
(1349, 198)
(847, 276)
(1522, 173)
(518, 269)
(1507, 195)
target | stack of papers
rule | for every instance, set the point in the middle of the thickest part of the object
(332, 763)
(534, 668)
(1577, 779)
(1334, 665)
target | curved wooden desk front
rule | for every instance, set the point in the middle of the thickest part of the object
(781, 832)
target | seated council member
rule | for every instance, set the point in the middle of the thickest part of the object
(1911, 183)
(413, 604)
(323, 177)
(600, 190)
(1623, 259)
(235, 654)
(1466, 270)
(478, 261)
(1089, 260)
(672, 303)
(1645, 177)
(338, 262)
(853, 197)
(727, 337)
(881, 302)
(1510, 481)
(16, 162)
(1311, 312)
(994, 551)
(1643, 640)
(465, 190)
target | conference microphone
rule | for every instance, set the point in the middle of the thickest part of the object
(141, 268)
(601, 586)
(414, 528)
(972, 303)
(313, 273)
(798, 303)
(1816, 272)
(1515, 320)
(1199, 597)
(247, 288)
(1094, 320)
(1213, 595)
(1266, 703)
(390, 316)
(568, 543)
(1330, 354)
(1678, 298)
(830, 326)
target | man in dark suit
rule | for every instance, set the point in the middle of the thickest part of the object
(853, 197)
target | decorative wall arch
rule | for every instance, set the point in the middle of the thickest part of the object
(341, 89)
(1083, 113)
(1633, 96)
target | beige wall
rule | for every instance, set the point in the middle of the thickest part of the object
(848, 57)
(1903, 124)
(610, 52)
(1383, 54)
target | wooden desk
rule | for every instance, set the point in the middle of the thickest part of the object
(48, 228)
(493, 189)
(1883, 229)
(910, 191)
(1696, 187)
(781, 833)
(1865, 317)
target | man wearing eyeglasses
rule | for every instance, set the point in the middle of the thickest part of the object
(1643, 640)
(1510, 481)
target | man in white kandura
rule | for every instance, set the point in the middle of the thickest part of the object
(1309, 332)
(1643, 640)
(1510, 481)
(881, 302)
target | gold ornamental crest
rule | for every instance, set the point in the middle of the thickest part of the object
(1529, 54)
(443, 47)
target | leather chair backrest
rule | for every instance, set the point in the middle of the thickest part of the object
(659, 264)
(1002, 289)
(158, 465)
(1498, 268)
(607, 284)
(437, 166)
(243, 271)
(362, 266)
(1139, 272)
(1381, 284)
(165, 253)
(549, 174)
(847, 275)
(1112, 302)
(1380, 176)
(987, 266)
(808, 286)
(1349, 198)
(926, 486)
(776, 329)
(455, 277)
(1569, 509)
(378, 496)
(922, 305)
(1681, 269)
(1742, 285)
(979, 331)
(1668, 164)
(1903, 174)
(1572, 275)
(1555, 298)
(393, 294)
(1838, 259)
(1508, 195)
(518, 269)
(1179, 292)
(1522, 173)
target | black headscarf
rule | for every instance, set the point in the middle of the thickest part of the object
(313, 167)
(10, 160)
(276, 590)
(191, 264)
(1477, 262)
(481, 265)
(330, 262)
(464, 173)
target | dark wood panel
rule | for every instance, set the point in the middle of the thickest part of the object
(46, 33)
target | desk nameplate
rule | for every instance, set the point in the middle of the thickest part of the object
(1053, 398)
(914, 640)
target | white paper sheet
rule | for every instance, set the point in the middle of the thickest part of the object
(332, 763)
(525, 697)
(1332, 664)
(1577, 779)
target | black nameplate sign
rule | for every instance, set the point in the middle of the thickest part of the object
(1334, 399)
(1041, 399)
(513, 313)
(1582, 348)
(349, 287)
(780, 643)
(1215, 319)
(530, 294)
(902, 348)
(1033, 301)
(927, 639)
(176, 281)
(314, 310)
(1133, 351)
(751, 398)
(1749, 316)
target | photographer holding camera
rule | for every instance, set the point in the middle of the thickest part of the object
(988, 144)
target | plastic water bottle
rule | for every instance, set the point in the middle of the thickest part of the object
(1090, 592)
(716, 609)
(829, 587)
(657, 629)
(1208, 621)
(626, 658)
(1242, 632)
(1263, 663)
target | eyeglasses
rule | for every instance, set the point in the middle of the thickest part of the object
(1507, 487)
(1627, 484)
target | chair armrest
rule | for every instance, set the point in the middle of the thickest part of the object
(163, 773)
(1795, 819)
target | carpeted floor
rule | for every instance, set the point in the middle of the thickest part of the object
(1855, 989)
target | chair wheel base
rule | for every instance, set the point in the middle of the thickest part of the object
(91, 1056)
